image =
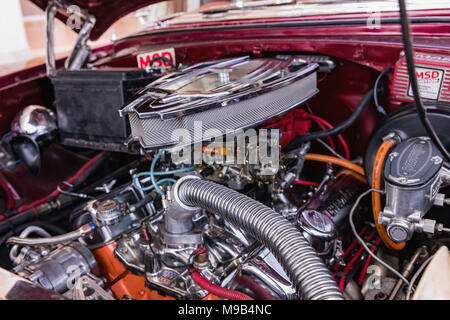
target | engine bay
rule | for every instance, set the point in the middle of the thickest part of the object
(223, 180)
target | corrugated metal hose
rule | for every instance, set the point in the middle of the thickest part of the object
(307, 272)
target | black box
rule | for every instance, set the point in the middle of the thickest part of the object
(87, 104)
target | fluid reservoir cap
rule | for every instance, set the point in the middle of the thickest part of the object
(413, 163)
(317, 224)
(109, 211)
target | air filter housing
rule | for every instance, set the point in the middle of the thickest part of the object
(218, 98)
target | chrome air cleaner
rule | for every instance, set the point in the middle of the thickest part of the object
(211, 99)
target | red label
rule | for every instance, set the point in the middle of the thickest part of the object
(144, 59)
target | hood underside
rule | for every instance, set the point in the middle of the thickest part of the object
(106, 12)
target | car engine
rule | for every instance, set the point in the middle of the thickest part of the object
(207, 187)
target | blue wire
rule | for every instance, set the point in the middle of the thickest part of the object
(152, 171)
(9, 165)
(152, 175)
(152, 186)
(164, 173)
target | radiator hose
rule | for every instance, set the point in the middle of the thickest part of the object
(307, 272)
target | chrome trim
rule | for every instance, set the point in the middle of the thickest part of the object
(50, 13)
(268, 271)
(34, 121)
(166, 99)
(81, 51)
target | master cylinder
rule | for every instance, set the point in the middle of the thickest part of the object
(414, 172)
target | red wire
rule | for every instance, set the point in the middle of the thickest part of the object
(217, 290)
(355, 242)
(367, 263)
(8, 192)
(323, 78)
(354, 259)
(359, 252)
(305, 183)
(145, 234)
(342, 283)
(318, 121)
(55, 193)
(351, 246)
(330, 126)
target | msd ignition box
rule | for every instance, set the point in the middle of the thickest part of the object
(433, 77)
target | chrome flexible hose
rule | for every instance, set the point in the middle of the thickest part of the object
(13, 253)
(307, 272)
(82, 231)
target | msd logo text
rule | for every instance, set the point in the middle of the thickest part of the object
(428, 75)
(144, 59)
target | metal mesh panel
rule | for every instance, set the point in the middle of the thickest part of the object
(154, 133)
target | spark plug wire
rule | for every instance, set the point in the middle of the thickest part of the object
(322, 126)
(330, 126)
(215, 289)
(305, 183)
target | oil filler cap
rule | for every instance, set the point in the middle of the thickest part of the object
(413, 163)
(109, 211)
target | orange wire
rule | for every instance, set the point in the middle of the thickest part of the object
(376, 197)
(357, 176)
(340, 162)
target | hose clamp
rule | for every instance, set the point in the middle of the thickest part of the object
(394, 137)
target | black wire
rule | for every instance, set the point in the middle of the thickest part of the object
(407, 43)
(376, 90)
(148, 198)
(17, 220)
(163, 59)
(337, 129)
(94, 167)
